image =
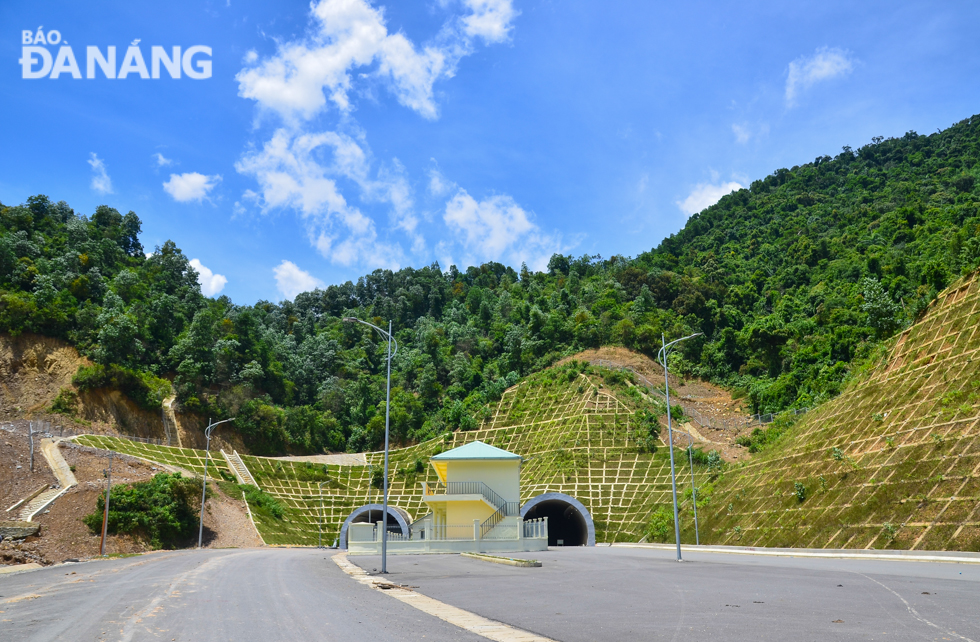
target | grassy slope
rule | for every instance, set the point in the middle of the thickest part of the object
(904, 475)
(908, 434)
(576, 433)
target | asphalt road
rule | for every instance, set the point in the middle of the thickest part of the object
(261, 595)
(579, 594)
(618, 594)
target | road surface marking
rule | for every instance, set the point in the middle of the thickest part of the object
(490, 629)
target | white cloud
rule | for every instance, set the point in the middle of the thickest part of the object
(489, 19)
(705, 195)
(498, 229)
(161, 160)
(190, 186)
(742, 133)
(304, 74)
(290, 174)
(211, 283)
(348, 44)
(100, 178)
(438, 184)
(806, 71)
(291, 280)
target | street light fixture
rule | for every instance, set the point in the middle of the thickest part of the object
(391, 354)
(204, 487)
(662, 357)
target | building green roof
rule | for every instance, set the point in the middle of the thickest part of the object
(476, 450)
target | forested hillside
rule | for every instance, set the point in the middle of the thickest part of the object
(793, 282)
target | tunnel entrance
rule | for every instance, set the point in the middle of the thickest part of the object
(569, 521)
(399, 521)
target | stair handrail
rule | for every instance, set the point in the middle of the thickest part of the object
(472, 488)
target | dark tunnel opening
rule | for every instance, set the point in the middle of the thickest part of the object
(566, 525)
(374, 516)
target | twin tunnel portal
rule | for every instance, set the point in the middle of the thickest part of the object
(569, 521)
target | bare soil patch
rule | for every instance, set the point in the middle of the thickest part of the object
(64, 536)
(692, 394)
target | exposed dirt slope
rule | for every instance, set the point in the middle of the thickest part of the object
(893, 462)
(33, 369)
(705, 398)
(64, 536)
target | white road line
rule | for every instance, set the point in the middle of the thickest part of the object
(471, 622)
(913, 612)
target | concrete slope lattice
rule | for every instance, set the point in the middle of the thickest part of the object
(893, 462)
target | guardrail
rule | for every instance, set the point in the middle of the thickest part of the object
(536, 527)
(472, 488)
(509, 508)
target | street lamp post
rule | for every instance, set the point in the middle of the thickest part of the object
(662, 357)
(384, 518)
(204, 486)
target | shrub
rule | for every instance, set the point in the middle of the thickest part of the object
(647, 431)
(714, 461)
(260, 501)
(162, 510)
(661, 525)
(66, 403)
(890, 531)
(800, 491)
(837, 454)
(146, 390)
(677, 412)
(698, 456)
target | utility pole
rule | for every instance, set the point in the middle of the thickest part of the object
(30, 433)
(662, 356)
(105, 514)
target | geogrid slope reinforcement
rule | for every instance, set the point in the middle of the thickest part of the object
(893, 462)
(576, 437)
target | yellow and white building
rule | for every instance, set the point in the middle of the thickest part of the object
(475, 506)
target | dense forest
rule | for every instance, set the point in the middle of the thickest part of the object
(793, 282)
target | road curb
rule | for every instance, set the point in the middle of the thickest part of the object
(509, 561)
(948, 557)
(490, 629)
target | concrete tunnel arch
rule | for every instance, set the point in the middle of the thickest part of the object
(399, 520)
(568, 518)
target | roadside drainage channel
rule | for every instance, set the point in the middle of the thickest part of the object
(490, 629)
(509, 561)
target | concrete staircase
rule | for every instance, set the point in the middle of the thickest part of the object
(39, 503)
(30, 506)
(239, 469)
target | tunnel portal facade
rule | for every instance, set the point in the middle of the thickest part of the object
(569, 521)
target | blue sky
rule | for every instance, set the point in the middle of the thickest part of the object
(341, 136)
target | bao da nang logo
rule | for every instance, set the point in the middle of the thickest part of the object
(39, 59)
